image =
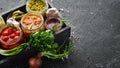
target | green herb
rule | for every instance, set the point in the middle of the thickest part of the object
(65, 52)
(44, 42)
(24, 45)
(41, 40)
(62, 21)
(57, 27)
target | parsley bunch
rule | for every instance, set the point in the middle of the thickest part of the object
(43, 41)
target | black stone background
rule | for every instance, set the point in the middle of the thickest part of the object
(97, 25)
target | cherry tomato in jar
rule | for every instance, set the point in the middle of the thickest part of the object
(17, 33)
(4, 38)
(5, 33)
(11, 37)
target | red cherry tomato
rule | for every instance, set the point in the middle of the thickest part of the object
(4, 38)
(10, 30)
(18, 33)
(12, 35)
(14, 30)
(10, 40)
(5, 33)
(16, 37)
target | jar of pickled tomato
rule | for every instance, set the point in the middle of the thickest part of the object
(10, 37)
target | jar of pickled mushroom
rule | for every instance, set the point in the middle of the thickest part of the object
(31, 23)
(10, 37)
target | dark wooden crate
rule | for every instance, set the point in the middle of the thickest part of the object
(22, 58)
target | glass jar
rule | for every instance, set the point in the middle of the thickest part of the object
(37, 6)
(11, 37)
(53, 24)
(31, 23)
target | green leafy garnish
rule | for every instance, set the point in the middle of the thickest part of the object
(62, 21)
(44, 42)
(65, 52)
(57, 26)
(41, 40)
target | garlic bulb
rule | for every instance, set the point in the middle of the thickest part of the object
(13, 21)
(52, 13)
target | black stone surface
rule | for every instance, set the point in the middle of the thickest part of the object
(97, 25)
